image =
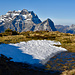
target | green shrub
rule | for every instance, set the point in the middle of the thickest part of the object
(0, 34)
(8, 30)
(4, 34)
(15, 33)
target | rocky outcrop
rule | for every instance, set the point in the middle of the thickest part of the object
(24, 21)
(66, 29)
(45, 25)
(62, 28)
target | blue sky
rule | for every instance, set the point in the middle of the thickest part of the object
(59, 11)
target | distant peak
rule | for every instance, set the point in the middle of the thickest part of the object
(25, 10)
(48, 19)
(9, 12)
(72, 25)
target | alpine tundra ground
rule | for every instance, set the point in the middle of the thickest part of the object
(67, 40)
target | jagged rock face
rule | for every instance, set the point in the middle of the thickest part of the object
(62, 28)
(71, 29)
(24, 21)
(72, 26)
(66, 29)
(46, 25)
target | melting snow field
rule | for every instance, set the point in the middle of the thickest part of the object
(32, 52)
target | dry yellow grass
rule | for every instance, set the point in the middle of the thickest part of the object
(67, 40)
(71, 72)
(13, 39)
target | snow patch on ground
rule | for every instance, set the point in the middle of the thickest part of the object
(32, 52)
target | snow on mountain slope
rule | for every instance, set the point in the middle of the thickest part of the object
(32, 52)
(27, 15)
(24, 20)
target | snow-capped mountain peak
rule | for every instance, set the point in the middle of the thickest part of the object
(24, 20)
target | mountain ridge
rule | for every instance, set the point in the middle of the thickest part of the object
(24, 21)
(66, 29)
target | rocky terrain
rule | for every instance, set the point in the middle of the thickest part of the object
(66, 28)
(24, 21)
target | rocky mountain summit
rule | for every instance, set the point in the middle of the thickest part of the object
(24, 21)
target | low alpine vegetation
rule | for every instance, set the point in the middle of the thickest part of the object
(67, 40)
